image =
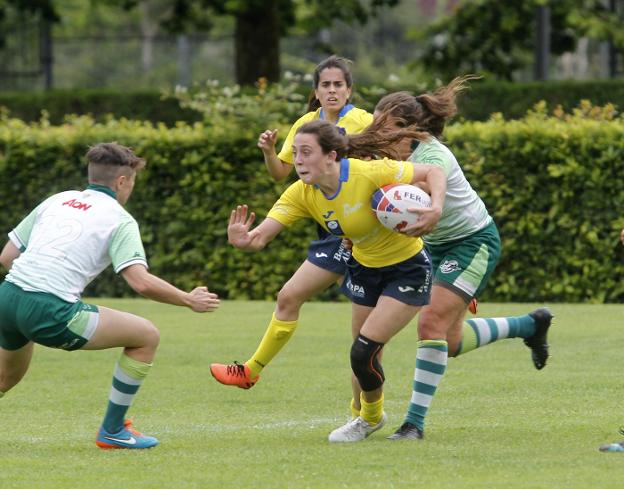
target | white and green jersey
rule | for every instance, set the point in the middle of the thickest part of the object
(464, 212)
(70, 238)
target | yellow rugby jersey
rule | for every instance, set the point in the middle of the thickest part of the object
(352, 119)
(348, 213)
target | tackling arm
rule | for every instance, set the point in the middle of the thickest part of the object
(157, 289)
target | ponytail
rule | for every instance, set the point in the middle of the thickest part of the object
(429, 111)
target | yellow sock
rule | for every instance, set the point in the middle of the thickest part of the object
(355, 412)
(277, 335)
(371, 412)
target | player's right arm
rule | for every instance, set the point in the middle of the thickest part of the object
(240, 236)
(157, 289)
(277, 168)
(9, 253)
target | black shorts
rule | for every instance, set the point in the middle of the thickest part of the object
(329, 254)
(408, 281)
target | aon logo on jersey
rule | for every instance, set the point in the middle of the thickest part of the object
(76, 204)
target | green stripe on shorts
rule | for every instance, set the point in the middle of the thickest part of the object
(85, 321)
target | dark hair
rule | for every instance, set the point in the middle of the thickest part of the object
(361, 145)
(332, 62)
(107, 159)
(429, 111)
(327, 135)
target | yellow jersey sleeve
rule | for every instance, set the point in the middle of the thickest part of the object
(285, 153)
(353, 121)
(386, 171)
(291, 206)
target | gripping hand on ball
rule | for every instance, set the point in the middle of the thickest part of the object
(427, 219)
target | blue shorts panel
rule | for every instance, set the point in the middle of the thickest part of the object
(329, 254)
(408, 281)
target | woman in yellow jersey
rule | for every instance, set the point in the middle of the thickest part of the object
(327, 257)
(389, 275)
(464, 247)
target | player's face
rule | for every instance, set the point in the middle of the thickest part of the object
(311, 164)
(125, 185)
(332, 90)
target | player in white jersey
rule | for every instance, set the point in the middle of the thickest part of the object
(61, 246)
(464, 247)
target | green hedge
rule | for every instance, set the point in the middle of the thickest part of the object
(182, 200)
(139, 105)
(555, 188)
(511, 99)
(553, 185)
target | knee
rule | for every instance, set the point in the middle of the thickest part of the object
(151, 335)
(431, 325)
(288, 300)
(365, 363)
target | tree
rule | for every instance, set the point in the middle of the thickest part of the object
(259, 25)
(499, 37)
(44, 8)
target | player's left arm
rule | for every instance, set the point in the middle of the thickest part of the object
(9, 253)
(435, 180)
(240, 236)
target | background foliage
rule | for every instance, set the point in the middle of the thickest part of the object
(551, 182)
(512, 100)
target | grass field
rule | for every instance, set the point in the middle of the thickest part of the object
(495, 422)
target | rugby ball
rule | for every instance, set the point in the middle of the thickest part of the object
(390, 204)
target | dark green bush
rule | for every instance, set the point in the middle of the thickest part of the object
(139, 105)
(513, 100)
(484, 98)
(553, 185)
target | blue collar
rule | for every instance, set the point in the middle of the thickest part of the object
(343, 177)
(103, 189)
(341, 114)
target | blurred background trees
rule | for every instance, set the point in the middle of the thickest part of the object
(157, 44)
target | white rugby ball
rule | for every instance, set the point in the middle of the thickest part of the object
(391, 202)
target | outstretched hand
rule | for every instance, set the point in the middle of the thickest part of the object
(267, 140)
(238, 228)
(428, 217)
(202, 300)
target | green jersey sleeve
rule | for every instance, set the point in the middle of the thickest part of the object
(21, 234)
(126, 247)
(433, 153)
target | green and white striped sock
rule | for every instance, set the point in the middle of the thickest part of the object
(127, 378)
(431, 359)
(479, 332)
